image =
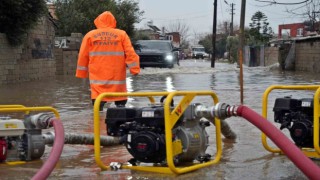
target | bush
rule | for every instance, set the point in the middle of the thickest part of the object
(78, 15)
(232, 45)
(17, 17)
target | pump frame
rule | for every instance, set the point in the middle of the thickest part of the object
(171, 118)
(21, 108)
(310, 152)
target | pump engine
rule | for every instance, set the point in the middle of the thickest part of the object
(20, 140)
(142, 131)
(297, 116)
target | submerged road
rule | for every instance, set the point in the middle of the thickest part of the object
(244, 158)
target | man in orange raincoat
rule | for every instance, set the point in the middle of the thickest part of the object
(104, 55)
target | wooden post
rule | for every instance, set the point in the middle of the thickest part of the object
(214, 31)
(241, 46)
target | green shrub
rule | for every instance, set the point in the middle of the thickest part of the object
(17, 17)
(78, 15)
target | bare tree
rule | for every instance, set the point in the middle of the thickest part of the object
(223, 27)
(181, 27)
(309, 10)
(305, 9)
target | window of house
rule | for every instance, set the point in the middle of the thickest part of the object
(285, 33)
(299, 32)
(170, 37)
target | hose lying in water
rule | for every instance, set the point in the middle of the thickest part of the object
(86, 139)
(309, 168)
(201, 111)
(55, 153)
(226, 130)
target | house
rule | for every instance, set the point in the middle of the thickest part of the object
(297, 30)
(151, 34)
(174, 37)
(155, 33)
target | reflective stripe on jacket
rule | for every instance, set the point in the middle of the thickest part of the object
(104, 55)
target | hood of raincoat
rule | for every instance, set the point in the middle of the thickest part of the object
(104, 20)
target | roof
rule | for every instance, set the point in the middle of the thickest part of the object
(156, 40)
(154, 28)
(296, 39)
(316, 37)
(299, 23)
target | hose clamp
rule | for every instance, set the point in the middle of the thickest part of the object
(115, 166)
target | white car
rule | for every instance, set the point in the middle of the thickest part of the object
(199, 52)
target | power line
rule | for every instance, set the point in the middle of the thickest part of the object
(301, 6)
(280, 3)
(285, 17)
(287, 11)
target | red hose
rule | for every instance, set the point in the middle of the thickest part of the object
(55, 153)
(309, 168)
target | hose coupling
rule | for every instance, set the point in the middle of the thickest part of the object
(42, 120)
(223, 110)
(220, 110)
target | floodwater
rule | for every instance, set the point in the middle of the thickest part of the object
(243, 158)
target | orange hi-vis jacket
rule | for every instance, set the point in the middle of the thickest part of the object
(104, 55)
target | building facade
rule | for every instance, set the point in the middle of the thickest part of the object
(296, 30)
(291, 30)
(154, 33)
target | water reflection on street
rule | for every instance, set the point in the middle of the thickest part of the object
(243, 159)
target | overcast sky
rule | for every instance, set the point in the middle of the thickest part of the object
(198, 14)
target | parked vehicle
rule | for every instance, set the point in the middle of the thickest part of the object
(156, 53)
(198, 52)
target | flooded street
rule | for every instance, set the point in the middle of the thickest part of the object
(244, 158)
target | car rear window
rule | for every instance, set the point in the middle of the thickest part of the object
(154, 45)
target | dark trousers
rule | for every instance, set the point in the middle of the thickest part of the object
(121, 103)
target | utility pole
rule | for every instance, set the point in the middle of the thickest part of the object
(231, 30)
(231, 24)
(314, 19)
(214, 32)
(241, 45)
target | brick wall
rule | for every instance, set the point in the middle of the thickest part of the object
(308, 55)
(66, 53)
(271, 55)
(34, 60)
(70, 62)
(260, 56)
